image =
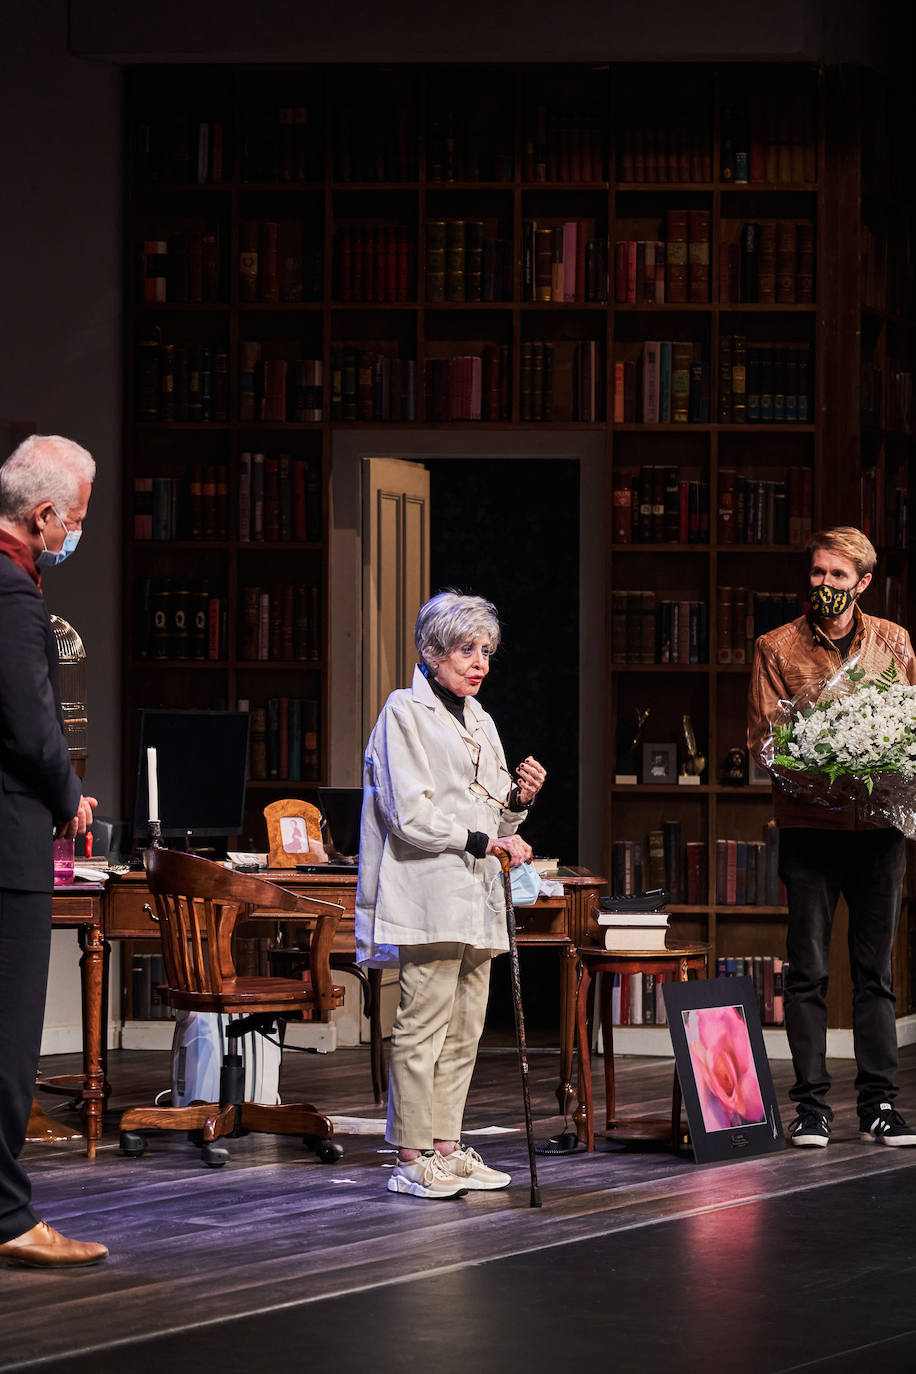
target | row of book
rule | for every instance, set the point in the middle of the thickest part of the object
(563, 261)
(763, 384)
(887, 396)
(665, 145)
(280, 623)
(771, 140)
(281, 143)
(767, 973)
(565, 145)
(274, 387)
(461, 146)
(772, 264)
(467, 260)
(368, 385)
(181, 148)
(280, 262)
(656, 505)
(279, 498)
(284, 739)
(561, 380)
(182, 264)
(373, 261)
(743, 615)
(755, 510)
(650, 629)
(673, 270)
(471, 386)
(371, 147)
(637, 999)
(195, 507)
(747, 871)
(180, 618)
(181, 382)
(668, 384)
(884, 511)
(661, 863)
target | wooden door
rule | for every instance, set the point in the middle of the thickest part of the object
(395, 575)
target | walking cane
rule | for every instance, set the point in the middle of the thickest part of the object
(504, 864)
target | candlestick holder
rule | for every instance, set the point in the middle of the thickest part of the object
(155, 834)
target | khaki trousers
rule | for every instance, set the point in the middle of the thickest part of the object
(444, 992)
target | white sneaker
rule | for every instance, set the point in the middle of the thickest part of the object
(465, 1164)
(425, 1176)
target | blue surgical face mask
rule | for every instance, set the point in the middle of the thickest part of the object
(49, 559)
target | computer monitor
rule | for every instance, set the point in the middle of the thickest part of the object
(202, 767)
(342, 807)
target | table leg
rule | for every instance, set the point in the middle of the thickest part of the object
(569, 964)
(379, 1077)
(93, 971)
(584, 1118)
(607, 1036)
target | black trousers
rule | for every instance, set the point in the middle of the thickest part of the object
(867, 867)
(25, 950)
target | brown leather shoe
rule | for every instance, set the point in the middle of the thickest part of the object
(45, 1248)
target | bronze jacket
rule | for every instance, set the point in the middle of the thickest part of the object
(799, 657)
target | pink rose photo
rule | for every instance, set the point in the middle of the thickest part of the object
(723, 1066)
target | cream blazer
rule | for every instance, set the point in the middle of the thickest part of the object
(417, 883)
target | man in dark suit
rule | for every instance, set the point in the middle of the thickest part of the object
(44, 493)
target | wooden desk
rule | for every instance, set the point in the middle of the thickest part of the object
(81, 905)
(560, 922)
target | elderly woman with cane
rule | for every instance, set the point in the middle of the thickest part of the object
(438, 802)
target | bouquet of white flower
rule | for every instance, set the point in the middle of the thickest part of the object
(853, 739)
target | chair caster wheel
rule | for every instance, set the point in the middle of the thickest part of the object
(215, 1156)
(196, 1138)
(329, 1152)
(133, 1145)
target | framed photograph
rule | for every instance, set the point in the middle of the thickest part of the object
(294, 833)
(755, 774)
(723, 1069)
(659, 764)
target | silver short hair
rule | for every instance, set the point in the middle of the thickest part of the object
(449, 619)
(45, 467)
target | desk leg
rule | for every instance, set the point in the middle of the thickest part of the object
(93, 978)
(569, 966)
(584, 1118)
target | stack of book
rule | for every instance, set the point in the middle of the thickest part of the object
(563, 261)
(656, 505)
(280, 623)
(747, 871)
(772, 264)
(279, 498)
(756, 510)
(471, 386)
(632, 930)
(646, 630)
(373, 261)
(370, 384)
(668, 385)
(467, 260)
(563, 145)
(767, 972)
(765, 384)
(673, 270)
(183, 508)
(182, 383)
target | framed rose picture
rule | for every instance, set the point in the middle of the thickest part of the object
(723, 1069)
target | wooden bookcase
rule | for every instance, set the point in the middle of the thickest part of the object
(376, 176)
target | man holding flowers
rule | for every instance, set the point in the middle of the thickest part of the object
(834, 839)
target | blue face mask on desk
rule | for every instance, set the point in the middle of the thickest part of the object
(525, 884)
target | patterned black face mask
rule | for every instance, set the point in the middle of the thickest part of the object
(829, 602)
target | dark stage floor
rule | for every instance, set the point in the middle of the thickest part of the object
(798, 1260)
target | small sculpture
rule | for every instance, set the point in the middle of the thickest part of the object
(735, 771)
(694, 762)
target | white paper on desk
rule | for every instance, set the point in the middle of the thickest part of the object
(91, 875)
(236, 858)
(550, 888)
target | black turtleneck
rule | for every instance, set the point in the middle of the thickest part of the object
(477, 840)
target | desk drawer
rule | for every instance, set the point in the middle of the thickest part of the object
(547, 920)
(125, 916)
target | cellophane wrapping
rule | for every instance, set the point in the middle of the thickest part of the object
(850, 738)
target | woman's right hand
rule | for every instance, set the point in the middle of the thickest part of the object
(519, 850)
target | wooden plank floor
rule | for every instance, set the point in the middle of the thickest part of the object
(275, 1228)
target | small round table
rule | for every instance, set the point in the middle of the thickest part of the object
(678, 960)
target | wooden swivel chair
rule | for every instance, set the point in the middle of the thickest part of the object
(198, 904)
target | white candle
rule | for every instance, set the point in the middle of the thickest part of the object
(153, 784)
